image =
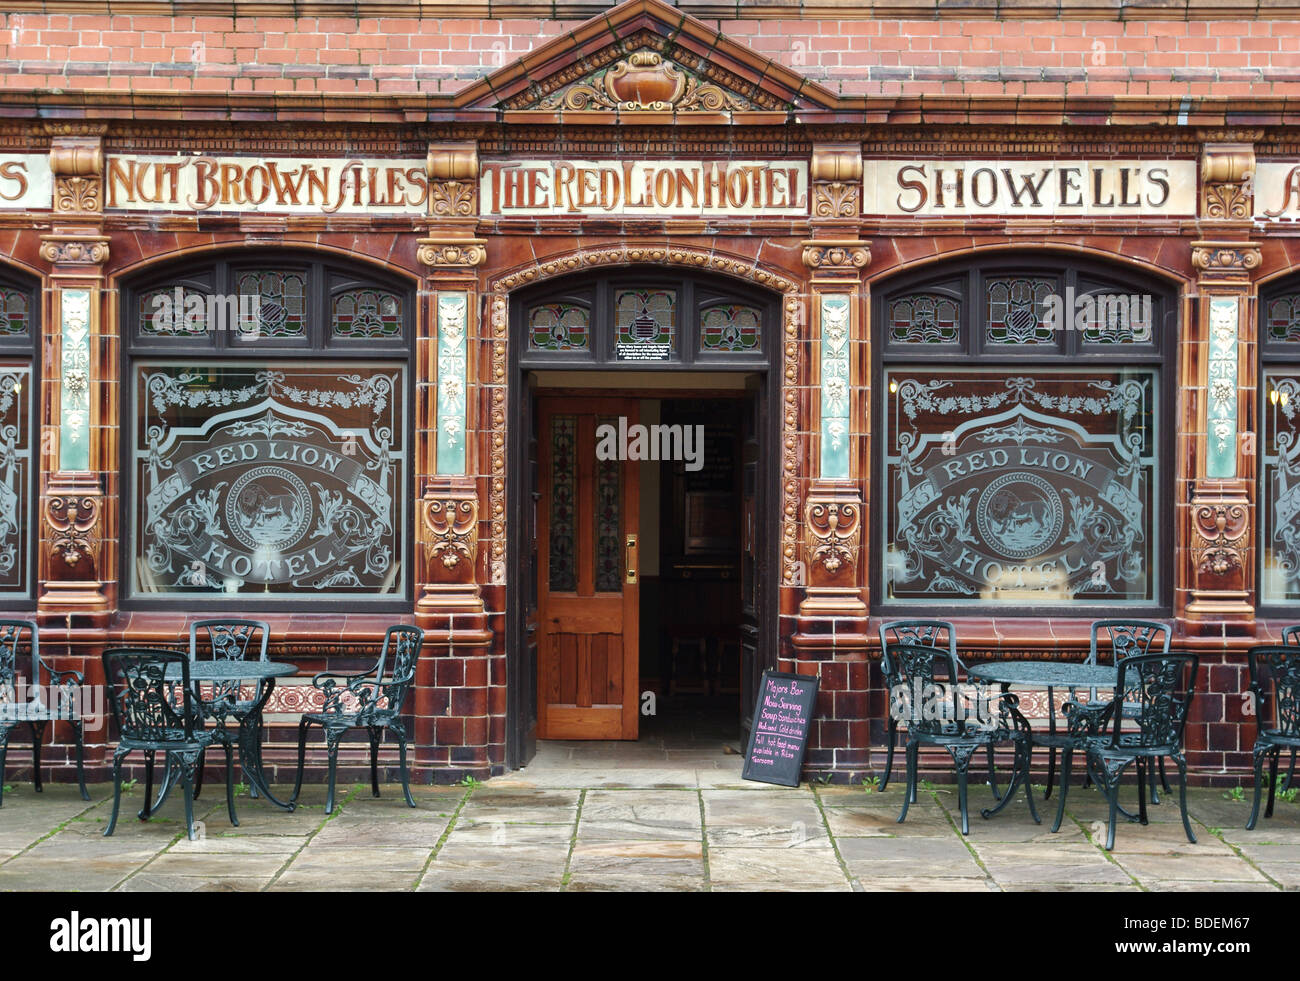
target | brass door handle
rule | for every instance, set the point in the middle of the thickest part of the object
(631, 559)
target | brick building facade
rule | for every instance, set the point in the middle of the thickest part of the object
(808, 208)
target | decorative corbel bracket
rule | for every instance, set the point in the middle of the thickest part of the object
(1227, 182)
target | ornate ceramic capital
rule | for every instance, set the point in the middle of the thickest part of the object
(77, 163)
(1227, 185)
(72, 521)
(453, 180)
(836, 256)
(451, 535)
(458, 254)
(1225, 262)
(836, 175)
(74, 250)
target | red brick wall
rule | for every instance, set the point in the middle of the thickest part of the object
(852, 57)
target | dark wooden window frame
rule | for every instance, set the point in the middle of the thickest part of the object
(972, 350)
(327, 276)
(19, 349)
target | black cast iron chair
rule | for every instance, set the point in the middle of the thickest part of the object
(228, 640)
(937, 712)
(156, 711)
(1127, 638)
(45, 696)
(939, 634)
(366, 700)
(1291, 637)
(1275, 685)
(1154, 691)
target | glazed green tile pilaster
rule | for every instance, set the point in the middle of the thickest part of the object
(74, 424)
(452, 347)
(1221, 416)
(835, 386)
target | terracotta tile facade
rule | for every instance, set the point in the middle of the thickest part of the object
(1191, 87)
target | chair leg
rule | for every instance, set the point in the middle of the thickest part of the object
(332, 747)
(230, 783)
(302, 759)
(889, 752)
(1272, 779)
(993, 779)
(78, 732)
(1051, 771)
(1150, 768)
(4, 751)
(198, 774)
(1067, 759)
(187, 788)
(148, 785)
(1261, 751)
(1111, 787)
(961, 799)
(117, 792)
(374, 761)
(1142, 773)
(1164, 780)
(909, 754)
(406, 780)
(1290, 773)
(1182, 797)
(38, 734)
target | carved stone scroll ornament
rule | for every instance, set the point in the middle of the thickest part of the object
(84, 250)
(1225, 261)
(645, 82)
(78, 165)
(458, 253)
(451, 527)
(836, 174)
(1227, 185)
(833, 531)
(72, 521)
(1222, 530)
(452, 169)
(839, 257)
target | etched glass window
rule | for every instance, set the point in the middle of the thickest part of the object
(1017, 310)
(1023, 488)
(1279, 580)
(559, 327)
(562, 573)
(924, 318)
(15, 478)
(269, 480)
(645, 324)
(367, 313)
(281, 304)
(731, 329)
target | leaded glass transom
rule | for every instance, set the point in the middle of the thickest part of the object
(369, 313)
(1282, 318)
(1016, 308)
(731, 328)
(174, 311)
(559, 327)
(562, 550)
(1116, 318)
(924, 318)
(281, 303)
(645, 322)
(15, 312)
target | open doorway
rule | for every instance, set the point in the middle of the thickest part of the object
(642, 555)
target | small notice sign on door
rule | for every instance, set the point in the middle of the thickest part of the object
(779, 738)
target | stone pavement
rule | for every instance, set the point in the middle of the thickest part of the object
(655, 824)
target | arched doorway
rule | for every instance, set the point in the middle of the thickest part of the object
(641, 477)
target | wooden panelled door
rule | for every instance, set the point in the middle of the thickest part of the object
(587, 589)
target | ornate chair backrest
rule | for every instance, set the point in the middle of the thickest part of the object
(1275, 683)
(920, 692)
(1291, 636)
(1127, 638)
(149, 691)
(400, 652)
(14, 635)
(1156, 690)
(229, 640)
(938, 634)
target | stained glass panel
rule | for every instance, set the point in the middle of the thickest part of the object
(1113, 317)
(645, 323)
(1032, 490)
(281, 303)
(174, 312)
(1016, 311)
(562, 548)
(366, 313)
(609, 570)
(268, 481)
(15, 312)
(1282, 318)
(559, 327)
(731, 328)
(924, 318)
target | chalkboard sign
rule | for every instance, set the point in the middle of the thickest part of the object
(782, 717)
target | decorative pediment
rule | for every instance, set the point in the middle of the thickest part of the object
(644, 56)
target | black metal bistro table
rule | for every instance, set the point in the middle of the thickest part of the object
(249, 738)
(1041, 674)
